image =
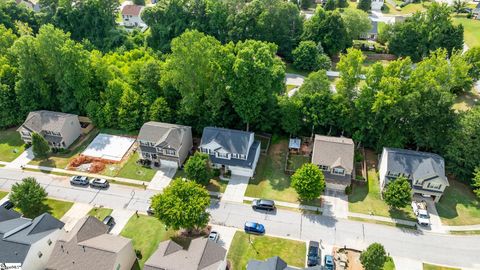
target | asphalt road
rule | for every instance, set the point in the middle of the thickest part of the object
(434, 248)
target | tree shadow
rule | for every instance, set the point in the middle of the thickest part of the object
(47, 162)
(136, 265)
(359, 192)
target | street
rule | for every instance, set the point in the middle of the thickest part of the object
(435, 248)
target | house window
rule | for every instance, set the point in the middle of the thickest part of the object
(234, 155)
(323, 167)
(339, 171)
(49, 242)
(243, 157)
(392, 174)
(222, 155)
(146, 155)
(25, 133)
(169, 152)
(40, 254)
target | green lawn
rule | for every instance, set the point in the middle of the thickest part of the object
(291, 69)
(458, 205)
(61, 161)
(270, 180)
(467, 100)
(296, 161)
(100, 213)
(215, 185)
(389, 264)
(146, 233)
(132, 170)
(3, 194)
(427, 266)
(56, 208)
(11, 145)
(366, 199)
(471, 30)
(408, 9)
(263, 247)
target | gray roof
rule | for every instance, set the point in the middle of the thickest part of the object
(163, 134)
(201, 254)
(274, 263)
(248, 163)
(87, 246)
(17, 234)
(334, 152)
(46, 120)
(233, 141)
(418, 165)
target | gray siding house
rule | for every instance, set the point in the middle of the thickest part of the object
(202, 254)
(232, 150)
(165, 144)
(27, 241)
(335, 157)
(425, 171)
(59, 129)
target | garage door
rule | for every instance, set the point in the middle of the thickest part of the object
(241, 171)
(168, 163)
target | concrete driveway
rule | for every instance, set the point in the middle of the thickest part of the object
(162, 178)
(121, 217)
(335, 203)
(226, 235)
(22, 160)
(72, 216)
(237, 185)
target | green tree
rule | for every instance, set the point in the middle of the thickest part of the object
(11, 14)
(129, 113)
(356, 21)
(374, 257)
(160, 111)
(306, 56)
(291, 114)
(329, 5)
(182, 205)
(472, 56)
(365, 5)
(459, 6)
(350, 67)
(198, 168)
(476, 182)
(308, 181)
(342, 3)
(139, 2)
(398, 193)
(29, 196)
(40, 146)
(257, 76)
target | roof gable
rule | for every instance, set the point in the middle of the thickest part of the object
(232, 141)
(334, 152)
(164, 134)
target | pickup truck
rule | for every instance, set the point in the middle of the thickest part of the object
(420, 210)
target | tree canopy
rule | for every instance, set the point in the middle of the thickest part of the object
(398, 193)
(29, 196)
(40, 146)
(374, 257)
(308, 181)
(198, 168)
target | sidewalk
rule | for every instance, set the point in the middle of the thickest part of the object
(384, 219)
(290, 205)
(22, 160)
(237, 185)
(463, 228)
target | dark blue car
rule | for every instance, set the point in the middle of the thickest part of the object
(329, 263)
(253, 227)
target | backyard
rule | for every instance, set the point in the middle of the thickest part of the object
(11, 145)
(466, 100)
(146, 233)
(471, 30)
(100, 212)
(245, 247)
(365, 198)
(270, 180)
(458, 205)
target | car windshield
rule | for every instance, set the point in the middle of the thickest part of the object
(258, 226)
(423, 216)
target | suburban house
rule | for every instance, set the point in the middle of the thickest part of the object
(59, 129)
(131, 15)
(202, 254)
(372, 34)
(335, 157)
(165, 144)
(30, 4)
(425, 171)
(89, 246)
(231, 150)
(25, 241)
(275, 263)
(476, 12)
(377, 5)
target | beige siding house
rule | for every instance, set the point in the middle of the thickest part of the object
(59, 129)
(425, 171)
(165, 144)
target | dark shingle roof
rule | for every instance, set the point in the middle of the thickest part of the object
(163, 134)
(248, 163)
(233, 141)
(46, 120)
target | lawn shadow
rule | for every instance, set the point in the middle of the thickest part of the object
(359, 191)
(456, 194)
(47, 163)
(399, 214)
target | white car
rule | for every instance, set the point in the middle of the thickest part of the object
(213, 236)
(420, 210)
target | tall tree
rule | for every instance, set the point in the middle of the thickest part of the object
(476, 182)
(11, 14)
(356, 21)
(29, 196)
(291, 114)
(374, 257)
(365, 5)
(472, 56)
(459, 6)
(308, 181)
(129, 111)
(307, 56)
(341, 3)
(330, 5)
(40, 146)
(198, 168)
(160, 111)
(398, 193)
(350, 67)
(257, 76)
(182, 205)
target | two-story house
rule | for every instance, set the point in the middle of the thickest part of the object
(424, 171)
(59, 129)
(165, 144)
(335, 157)
(131, 15)
(232, 150)
(28, 242)
(377, 5)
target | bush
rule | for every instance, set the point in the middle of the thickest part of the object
(348, 190)
(308, 182)
(374, 257)
(216, 172)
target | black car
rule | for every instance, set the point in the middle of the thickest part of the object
(150, 211)
(7, 205)
(313, 253)
(109, 221)
(99, 183)
(266, 205)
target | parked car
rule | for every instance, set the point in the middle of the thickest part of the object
(313, 254)
(254, 228)
(7, 205)
(213, 236)
(79, 180)
(99, 183)
(420, 210)
(150, 211)
(329, 262)
(261, 204)
(109, 221)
